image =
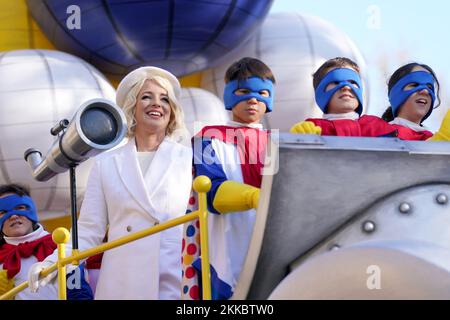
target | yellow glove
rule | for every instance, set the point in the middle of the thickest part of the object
(443, 134)
(5, 283)
(306, 127)
(235, 196)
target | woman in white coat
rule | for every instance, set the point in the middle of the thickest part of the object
(136, 186)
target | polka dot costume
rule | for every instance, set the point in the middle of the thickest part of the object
(190, 252)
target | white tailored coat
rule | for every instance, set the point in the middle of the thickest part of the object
(120, 196)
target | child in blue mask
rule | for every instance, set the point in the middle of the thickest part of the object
(339, 94)
(25, 242)
(413, 92)
(232, 156)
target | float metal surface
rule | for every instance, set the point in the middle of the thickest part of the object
(323, 184)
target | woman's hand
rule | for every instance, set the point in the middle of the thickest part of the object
(33, 275)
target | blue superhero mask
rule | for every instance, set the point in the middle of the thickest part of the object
(10, 203)
(342, 77)
(255, 85)
(398, 96)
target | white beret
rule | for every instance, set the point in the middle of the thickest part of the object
(142, 73)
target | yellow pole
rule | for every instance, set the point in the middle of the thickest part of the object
(61, 236)
(132, 237)
(104, 247)
(74, 253)
(202, 185)
(12, 293)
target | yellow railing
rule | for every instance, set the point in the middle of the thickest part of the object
(202, 185)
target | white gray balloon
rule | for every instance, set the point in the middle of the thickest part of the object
(202, 108)
(37, 89)
(293, 45)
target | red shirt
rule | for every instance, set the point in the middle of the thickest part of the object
(250, 143)
(406, 133)
(365, 126)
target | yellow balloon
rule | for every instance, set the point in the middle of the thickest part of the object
(18, 30)
(192, 80)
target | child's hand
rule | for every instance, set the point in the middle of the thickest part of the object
(306, 127)
(443, 134)
(232, 196)
(5, 283)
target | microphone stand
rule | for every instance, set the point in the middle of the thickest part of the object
(73, 208)
(58, 128)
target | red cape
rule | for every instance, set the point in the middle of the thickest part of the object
(11, 255)
(365, 126)
(251, 144)
(406, 133)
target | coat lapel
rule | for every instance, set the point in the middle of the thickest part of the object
(131, 175)
(160, 166)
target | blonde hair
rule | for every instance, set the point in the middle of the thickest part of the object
(176, 121)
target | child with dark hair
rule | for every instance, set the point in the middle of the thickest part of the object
(25, 243)
(232, 156)
(413, 90)
(339, 94)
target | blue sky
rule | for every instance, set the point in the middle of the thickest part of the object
(407, 30)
